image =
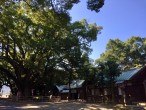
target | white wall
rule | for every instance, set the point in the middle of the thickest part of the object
(5, 91)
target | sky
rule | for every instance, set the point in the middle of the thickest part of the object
(119, 18)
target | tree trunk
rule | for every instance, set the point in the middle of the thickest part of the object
(27, 92)
(69, 95)
(24, 89)
(113, 93)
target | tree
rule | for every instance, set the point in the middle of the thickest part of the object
(130, 53)
(95, 5)
(108, 71)
(113, 72)
(136, 48)
(38, 40)
(59, 5)
(101, 78)
(26, 43)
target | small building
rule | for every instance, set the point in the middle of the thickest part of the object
(94, 93)
(76, 90)
(131, 85)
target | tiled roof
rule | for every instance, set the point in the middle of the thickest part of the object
(126, 75)
(74, 84)
(61, 87)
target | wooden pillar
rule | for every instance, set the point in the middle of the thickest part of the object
(144, 83)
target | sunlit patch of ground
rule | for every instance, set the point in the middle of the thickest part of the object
(4, 96)
(6, 104)
(29, 107)
(71, 105)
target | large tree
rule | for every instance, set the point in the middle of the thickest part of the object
(38, 40)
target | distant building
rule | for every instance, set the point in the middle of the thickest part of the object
(77, 90)
(132, 85)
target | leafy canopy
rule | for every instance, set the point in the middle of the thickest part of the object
(130, 53)
(38, 41)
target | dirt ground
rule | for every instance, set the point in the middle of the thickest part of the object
(71, 105)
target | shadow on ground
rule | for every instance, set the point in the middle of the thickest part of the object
(72, 105)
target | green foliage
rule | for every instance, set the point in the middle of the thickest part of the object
(40, 44)
(95, 5)
(101, 72)
(130, 53)
(107, 72)
(113, 71)
(59, 6)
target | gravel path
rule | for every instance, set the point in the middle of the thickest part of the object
(5, 105)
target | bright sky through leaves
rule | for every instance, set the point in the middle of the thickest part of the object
(119, 18)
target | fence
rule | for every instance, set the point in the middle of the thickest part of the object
(37, 98)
